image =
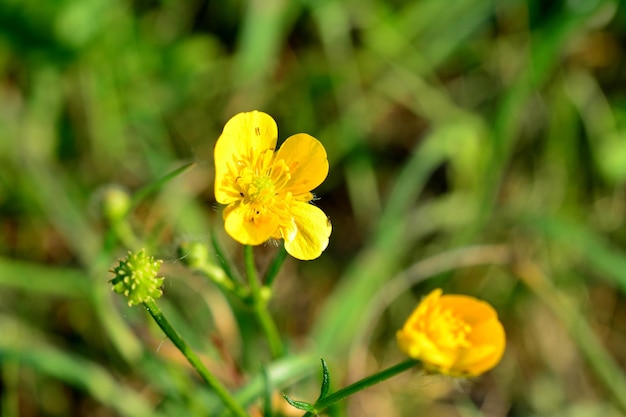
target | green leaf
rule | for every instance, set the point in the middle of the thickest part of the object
(300, 405)
(159, 183)
(325, 380)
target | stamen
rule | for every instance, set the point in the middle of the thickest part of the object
(444, 326)
(280, 173)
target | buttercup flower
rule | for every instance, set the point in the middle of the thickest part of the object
(267, 193)
(455, 335)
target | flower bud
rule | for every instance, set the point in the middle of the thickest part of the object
(193, 254)
(115, 203)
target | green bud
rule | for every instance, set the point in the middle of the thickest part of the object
(136, 278)
(115, 203)
(265, 294)
(193, 254)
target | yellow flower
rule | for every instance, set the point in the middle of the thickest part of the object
(267, 193)
(454, 335)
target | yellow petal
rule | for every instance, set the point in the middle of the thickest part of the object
(486, 337)
(307, 161)
(245, 138)
(418, 346)
(407, 344)
(307, 237)
(436, 357)
(470, 309)
(489, 340)
(247, 226)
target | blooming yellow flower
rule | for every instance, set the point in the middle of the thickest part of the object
(454, 335)
(267, 193)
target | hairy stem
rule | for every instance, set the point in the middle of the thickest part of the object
(260, 306)
(221, 391)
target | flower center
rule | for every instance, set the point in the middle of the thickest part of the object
(261, 190)
(258, 185)
(446, 329)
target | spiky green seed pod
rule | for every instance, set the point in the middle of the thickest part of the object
(136, 278)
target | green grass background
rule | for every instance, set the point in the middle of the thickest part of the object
(477, 146)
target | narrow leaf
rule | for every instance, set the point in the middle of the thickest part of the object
(325, 380)
(153, 187)
(300, 405)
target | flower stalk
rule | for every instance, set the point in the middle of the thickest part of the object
(221, 391)
(274, 267)
(260, 297)
(196, 256)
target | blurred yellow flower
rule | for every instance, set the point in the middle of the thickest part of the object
(455, 335)
(267, 193)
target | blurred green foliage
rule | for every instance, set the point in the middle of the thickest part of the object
(479, 146)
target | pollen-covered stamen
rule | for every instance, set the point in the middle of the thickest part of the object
(261, 164)
(256, 190)
(449, 330)
(252, 178)
(280, 174)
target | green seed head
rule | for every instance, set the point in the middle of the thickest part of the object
(136, 278)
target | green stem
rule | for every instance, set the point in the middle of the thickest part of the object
(126, 235)
(361, 385)
(221, 279)
(260, 305)
(226, 266)
(274, 267)
(221, 391)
